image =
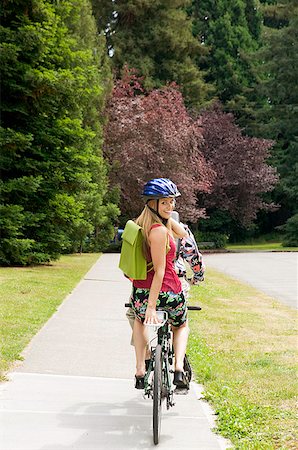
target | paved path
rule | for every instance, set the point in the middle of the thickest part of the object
(75, 387)
(276, 274)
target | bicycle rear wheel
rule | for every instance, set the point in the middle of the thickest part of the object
(157, 394)
(187, 368)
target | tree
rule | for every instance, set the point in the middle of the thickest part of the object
(277, 118)
(290, 229)
(155, 38)
(239, 161)
(230, 30)
(53, 93)
(277, 13)
(152, 135)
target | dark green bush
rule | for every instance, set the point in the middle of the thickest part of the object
(114, 247)
(219, 240)
(290, 229)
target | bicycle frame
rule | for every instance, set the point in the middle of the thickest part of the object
(164, 340)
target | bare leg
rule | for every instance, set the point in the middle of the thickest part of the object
(180, 343)
(140, 342)
(130, 314)
(131, 318)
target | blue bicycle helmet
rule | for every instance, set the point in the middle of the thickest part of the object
(160, 188)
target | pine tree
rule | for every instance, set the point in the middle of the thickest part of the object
(156, 39)
(278, 118)
(277, 13)
(230, 30)
(52, 97)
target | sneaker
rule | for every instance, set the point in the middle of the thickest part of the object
(139, 382)
(180, 380)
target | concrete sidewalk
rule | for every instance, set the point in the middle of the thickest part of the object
(75, 388)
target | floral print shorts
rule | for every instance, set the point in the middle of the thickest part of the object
(174, 304)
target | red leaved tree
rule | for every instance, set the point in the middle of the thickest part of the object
(240, 164)
(151, 135)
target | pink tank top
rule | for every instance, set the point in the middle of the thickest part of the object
(171, 281)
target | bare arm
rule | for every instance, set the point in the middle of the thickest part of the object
(158, 241)
(177, 229)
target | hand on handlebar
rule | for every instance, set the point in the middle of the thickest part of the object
(151, 316)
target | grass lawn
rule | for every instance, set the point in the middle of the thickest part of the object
(28, 298)
(274, 246)
(243, 348)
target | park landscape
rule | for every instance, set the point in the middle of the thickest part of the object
(97, 98)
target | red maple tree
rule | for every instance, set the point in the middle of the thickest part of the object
(240, 164)
(151, 135)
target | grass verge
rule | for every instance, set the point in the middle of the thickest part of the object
(28, 298)
(243, 348)
(266, 246)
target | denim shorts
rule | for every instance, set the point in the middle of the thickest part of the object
(174, 304)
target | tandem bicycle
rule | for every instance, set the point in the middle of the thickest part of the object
(158, 380)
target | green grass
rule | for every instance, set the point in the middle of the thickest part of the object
(28, 298)
(243, 348)
(266, 246)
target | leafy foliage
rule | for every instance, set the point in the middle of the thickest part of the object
(54, 83)
(276, 13)
(209, 239)
(153, 135)
(156, 38)
(275, 115)
(150, 136)
(240, 164)
(230, 30)
(290, 230)
(278, 118)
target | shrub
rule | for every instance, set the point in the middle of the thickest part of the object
(290, 229)
(220, 240)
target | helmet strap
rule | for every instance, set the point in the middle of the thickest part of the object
(164, 221)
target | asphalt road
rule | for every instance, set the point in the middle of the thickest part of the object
(274, 273)
(74, 390)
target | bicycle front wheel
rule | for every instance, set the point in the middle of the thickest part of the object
(157, 394)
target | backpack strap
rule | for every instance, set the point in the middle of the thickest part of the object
(149, 266)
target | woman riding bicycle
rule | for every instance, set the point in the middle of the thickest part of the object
(162, 287)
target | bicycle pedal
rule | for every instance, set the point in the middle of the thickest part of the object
(181, 391)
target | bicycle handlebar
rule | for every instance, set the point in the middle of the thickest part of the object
(190, 308)
(194, 308)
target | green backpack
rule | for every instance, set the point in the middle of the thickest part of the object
(132, 261)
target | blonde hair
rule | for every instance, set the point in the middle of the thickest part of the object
(145, 220)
